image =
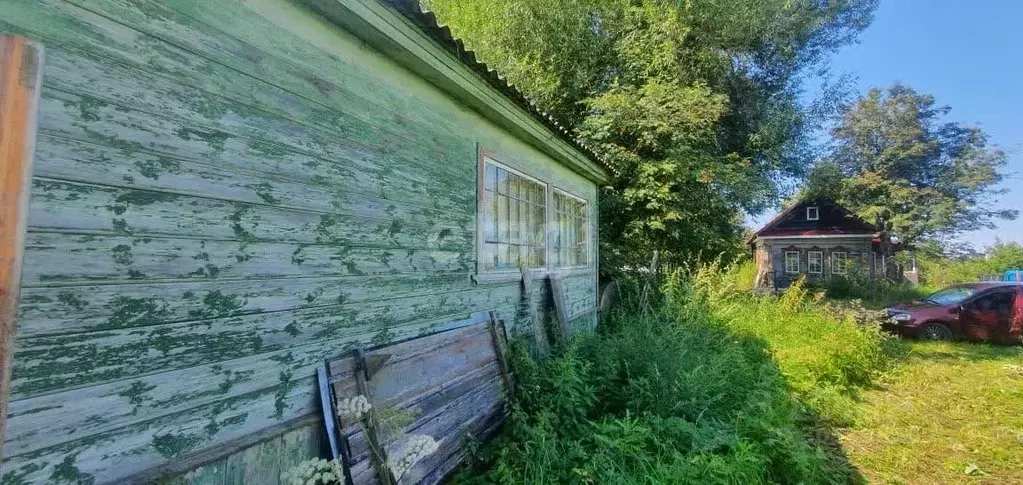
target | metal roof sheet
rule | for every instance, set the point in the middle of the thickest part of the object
(427, 22)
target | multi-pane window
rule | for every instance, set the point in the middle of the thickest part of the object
(569, 247)
(812, 214)
(815, 262)
(514, 211)
(791, 261)
(839, 262)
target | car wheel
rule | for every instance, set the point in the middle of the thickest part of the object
(935, 331)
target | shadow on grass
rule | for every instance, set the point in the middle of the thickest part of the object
(819, 433)
(826, 438)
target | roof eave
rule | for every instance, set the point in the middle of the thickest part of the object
(415, 40)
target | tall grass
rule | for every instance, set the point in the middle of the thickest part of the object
(826, 352)
(701, 383)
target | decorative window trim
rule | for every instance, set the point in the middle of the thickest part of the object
(788, 269)
(835, 268)
(552, 228)
(815, 211)
(504, 274)
(810, 262)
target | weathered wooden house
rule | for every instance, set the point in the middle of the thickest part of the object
(227, 193)
(817, 239)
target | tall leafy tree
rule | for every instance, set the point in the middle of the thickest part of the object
(896, 157)
(695, 103)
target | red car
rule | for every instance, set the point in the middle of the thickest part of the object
(989, 312)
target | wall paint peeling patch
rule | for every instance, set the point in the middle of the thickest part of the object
(215, 211)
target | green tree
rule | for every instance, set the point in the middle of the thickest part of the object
(895, 156)
(938, 268)
(695, 103)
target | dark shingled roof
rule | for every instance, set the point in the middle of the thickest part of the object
(832, 219)
(427, 22)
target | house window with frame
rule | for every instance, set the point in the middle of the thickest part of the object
(791, 262)
(514, 215)
(569, 217)
(839, 262)
(815, 262)
(812, 213)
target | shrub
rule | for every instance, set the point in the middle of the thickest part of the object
(871, 292)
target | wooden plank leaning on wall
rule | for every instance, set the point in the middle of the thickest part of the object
(20, 77)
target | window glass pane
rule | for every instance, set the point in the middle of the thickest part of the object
(570, 226)
(513, 186)
(513, 219)
(489, 255)
(838, 263)
(502, 218)
(792, 262)
(502, 181)
(489, 219)
(490, 182)
(815, 262)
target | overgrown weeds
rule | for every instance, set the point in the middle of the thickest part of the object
(827, 352)
(707, 384)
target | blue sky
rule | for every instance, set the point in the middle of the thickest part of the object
(969, 55)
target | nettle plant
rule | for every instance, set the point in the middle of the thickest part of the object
(416, 447)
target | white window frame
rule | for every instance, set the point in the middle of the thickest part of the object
(481, 267)
(553, 228)
(788, 268)
(500, 275)
(816, 213)
(835, 267)
(820, 262)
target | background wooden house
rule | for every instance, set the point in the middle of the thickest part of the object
(227, 193)
(817, 239)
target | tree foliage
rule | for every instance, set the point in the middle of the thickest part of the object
(696, 103)
(939, 269)
(894, 156)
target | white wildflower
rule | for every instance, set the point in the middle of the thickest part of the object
(316, 471)
(417, 447)
(354, 407)
(192, 475)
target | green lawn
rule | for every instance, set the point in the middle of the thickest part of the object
(949, 413)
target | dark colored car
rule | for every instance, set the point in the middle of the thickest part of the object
(989, 312)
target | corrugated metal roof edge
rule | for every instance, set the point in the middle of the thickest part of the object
(427, 22)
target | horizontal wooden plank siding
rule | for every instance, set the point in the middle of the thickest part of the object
(225, 195)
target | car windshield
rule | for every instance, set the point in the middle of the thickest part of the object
(951, 296)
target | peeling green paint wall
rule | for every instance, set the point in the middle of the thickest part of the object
(225, 194)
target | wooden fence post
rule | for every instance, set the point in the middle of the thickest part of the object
(20, 77)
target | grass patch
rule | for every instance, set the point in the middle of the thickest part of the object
(948, 408)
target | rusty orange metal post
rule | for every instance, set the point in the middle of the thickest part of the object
(21, 63)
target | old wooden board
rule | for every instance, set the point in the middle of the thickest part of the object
(536, 321)
(448, 386)
(558, 294)
(21, 63)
